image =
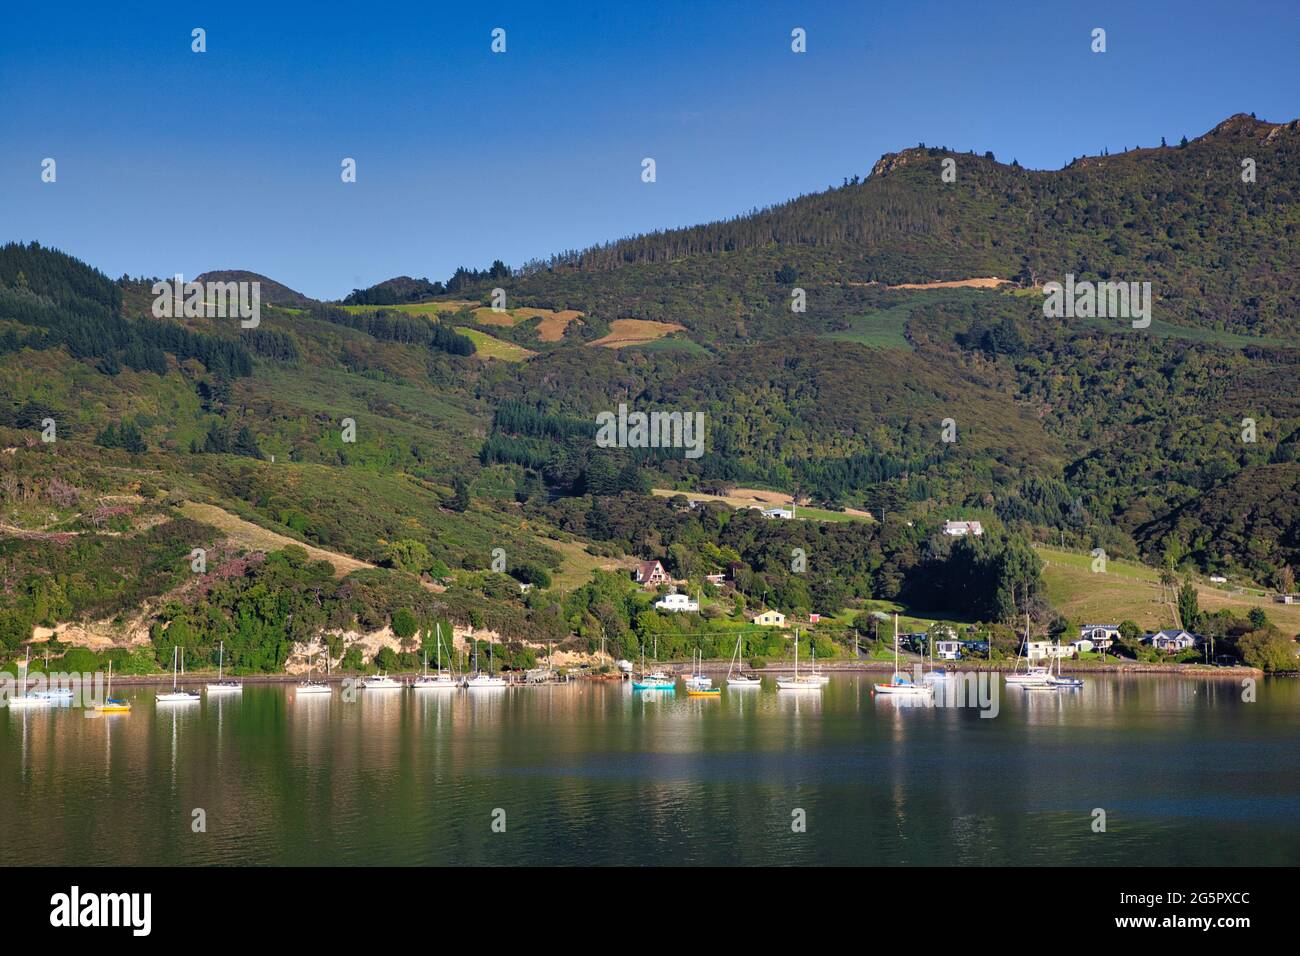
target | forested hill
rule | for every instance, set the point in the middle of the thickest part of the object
(1174, 214)
(416, 429)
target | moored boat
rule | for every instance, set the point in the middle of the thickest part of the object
(111, 704)
(176, 695)
(900, 684)
(220, 686)
(804, 683)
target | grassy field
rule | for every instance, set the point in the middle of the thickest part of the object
(488, 346)
(430, 309)
(759, 497)
(625, 332)
(252, 537)
(1131, 591)
(673, 343)
(886, 328)
(578, 565)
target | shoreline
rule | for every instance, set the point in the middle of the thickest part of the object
(720, 667)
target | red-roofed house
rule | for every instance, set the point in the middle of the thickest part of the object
(650, 574)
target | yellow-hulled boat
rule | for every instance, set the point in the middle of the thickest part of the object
(111, 704)
(703, 691)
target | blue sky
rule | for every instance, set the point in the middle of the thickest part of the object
(171, 161)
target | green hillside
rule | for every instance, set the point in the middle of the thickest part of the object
(409, 436)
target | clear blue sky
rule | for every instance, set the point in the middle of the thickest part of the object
(170, 161)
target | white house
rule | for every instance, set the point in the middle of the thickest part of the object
(1081, 646)
(677, 602)
(1172, 641)
(959, 529)
(786, 513)
(1218, 579)
(1102, 636)
(1046, 650)
(947, 650)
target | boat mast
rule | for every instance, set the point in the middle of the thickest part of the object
(895, 644)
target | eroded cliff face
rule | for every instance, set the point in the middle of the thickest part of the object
(891, 161)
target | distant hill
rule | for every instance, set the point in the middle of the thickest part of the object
(273, 292)
(396, 291)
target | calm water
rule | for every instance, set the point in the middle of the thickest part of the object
(597, 773)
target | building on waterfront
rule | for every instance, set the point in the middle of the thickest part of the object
(1102, 636)
(1172, 641)
(947, 650)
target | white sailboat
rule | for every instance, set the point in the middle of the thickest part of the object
(933, 676)
(1035, 676)
(439, 680)
(901, 685)
(23, 698)
(224, 686)
(176, 695)
(739, 678)
(696, 680)
(481, 681)
(1058, 679)
(52, 694)
(796, 682)
(309, 686)
(380, 681)
(817, 675)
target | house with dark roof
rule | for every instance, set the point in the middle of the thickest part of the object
(650, 574)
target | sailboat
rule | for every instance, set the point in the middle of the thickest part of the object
(310, 686)
(51, 694)
(655, 679)
(900, 685)
(1035, 675)
(224, 686)
(696, 680)
(933, 676)
(438, 680)
(176, 695)
(1058, 679)
(481, 681)
(818, 675)
(111, 704)
(796, 682)
(24, 699)
(739, 679)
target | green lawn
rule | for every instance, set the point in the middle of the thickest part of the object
(489, 346)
